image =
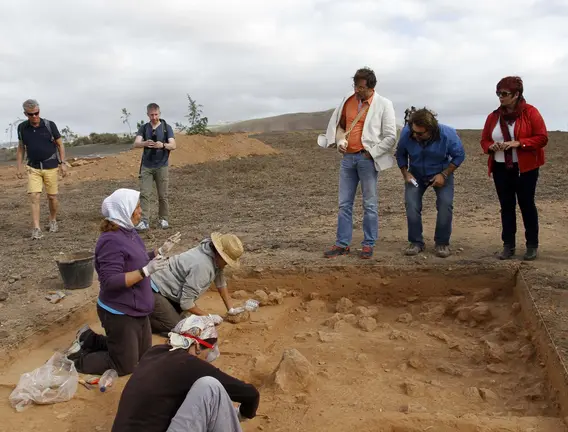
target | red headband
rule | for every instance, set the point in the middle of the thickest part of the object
(200, 341)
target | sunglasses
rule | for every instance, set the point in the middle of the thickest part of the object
(418, 133)
(34, 114)
(503, 93)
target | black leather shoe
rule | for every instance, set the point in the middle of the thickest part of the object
(530, 254)
(508, 252)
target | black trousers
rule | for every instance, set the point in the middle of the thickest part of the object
(165, 316)
(513, 186)
(127, 339)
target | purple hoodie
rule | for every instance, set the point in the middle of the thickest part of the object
(116, 253)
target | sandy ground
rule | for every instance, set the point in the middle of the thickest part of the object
(283, 205)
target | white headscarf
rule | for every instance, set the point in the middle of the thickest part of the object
(201, 327)
(119, 206)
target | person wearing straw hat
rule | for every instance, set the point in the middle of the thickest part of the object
(175, 387)
(188, 275)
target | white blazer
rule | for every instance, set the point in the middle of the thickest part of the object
(379, 131)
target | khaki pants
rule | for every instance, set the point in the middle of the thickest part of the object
(147, 178)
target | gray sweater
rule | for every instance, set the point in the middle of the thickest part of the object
(189, 275)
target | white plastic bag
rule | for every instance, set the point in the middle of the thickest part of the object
(55, 381)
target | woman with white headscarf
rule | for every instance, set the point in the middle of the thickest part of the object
(125, 299)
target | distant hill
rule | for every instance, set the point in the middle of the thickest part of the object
(282, 123)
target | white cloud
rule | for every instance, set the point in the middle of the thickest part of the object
(84, 61)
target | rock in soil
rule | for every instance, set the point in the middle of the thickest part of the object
(261, 296)
(415, 362)
(4, 334)
(498, 369)
(240, 295)
(314, 296)
(453, 301)
(508, 331)
(435, 312)
(316, 306)
(405, 318)
(331, 321)
(293, 374)
(275, 298)
(325, 337)
(488, 395)
(351, 319)
(3, 296)
(453, 370)
(239, 318)
(413, 389)
(344, 305)
(413, 408)
(494, 353)
(367, 324)
(481, 313)
(340, 325)
(485, 294)
(472, 393)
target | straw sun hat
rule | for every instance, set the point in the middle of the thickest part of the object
(229, 246)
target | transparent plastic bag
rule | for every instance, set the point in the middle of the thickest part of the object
(55, 381)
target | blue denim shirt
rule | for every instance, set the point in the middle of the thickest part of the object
(425, 160)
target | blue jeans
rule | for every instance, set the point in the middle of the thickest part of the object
(355, 168)
(444, 204)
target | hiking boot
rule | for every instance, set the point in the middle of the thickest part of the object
(142, 226)
(443, 251)
(163, 224)
(508, 252)
(413, 249)
(37, 234)
(336, 251)
(530, 254)
(366, 252)
(77, 343)
(53, 227)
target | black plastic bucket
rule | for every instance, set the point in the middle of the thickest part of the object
(76, 269)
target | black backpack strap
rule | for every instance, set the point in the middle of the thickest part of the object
(165, 126)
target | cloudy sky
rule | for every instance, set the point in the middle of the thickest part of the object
(86, 60)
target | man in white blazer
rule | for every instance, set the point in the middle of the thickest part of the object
(363, 129)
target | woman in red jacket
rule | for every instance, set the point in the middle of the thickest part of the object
(514, 137)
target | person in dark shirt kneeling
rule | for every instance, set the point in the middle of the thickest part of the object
(175, 388)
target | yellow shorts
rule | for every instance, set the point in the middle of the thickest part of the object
(37, 177)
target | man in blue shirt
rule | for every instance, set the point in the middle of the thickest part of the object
(428, 153)
(157, 139)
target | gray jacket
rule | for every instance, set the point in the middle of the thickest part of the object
(189, 275)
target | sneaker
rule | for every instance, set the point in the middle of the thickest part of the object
(366, 252)
(413, 249)
(77, 343)
(336, 251)
(53, 227)
(507, 253)
(142, 226)
(163, 224)
(37, 234)
(530, 254)
(443, 251)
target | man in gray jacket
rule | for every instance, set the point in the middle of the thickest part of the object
(188, 275)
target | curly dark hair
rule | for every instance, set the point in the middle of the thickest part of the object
(366, 74)
(425, 118)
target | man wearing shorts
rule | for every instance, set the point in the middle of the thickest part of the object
(42, 142)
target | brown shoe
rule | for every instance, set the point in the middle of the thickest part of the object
(336, 251)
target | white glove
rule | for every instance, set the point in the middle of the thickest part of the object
(155, 265)
(235, 311)
(216, 319)
(169, 244)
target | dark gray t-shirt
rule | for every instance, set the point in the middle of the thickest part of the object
(155, 158)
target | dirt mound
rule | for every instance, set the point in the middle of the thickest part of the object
(294, 372)
(190, 150)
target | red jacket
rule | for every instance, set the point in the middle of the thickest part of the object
(530, 131)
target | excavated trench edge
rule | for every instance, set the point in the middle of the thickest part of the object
(547, 352)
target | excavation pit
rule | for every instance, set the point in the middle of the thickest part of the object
(388, 349)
